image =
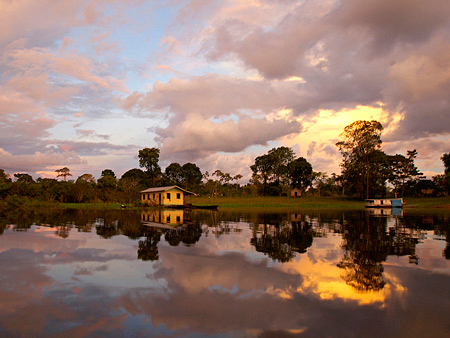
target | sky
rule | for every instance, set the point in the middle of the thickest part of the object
(87, 84)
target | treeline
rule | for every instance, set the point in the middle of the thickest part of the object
(367, 172)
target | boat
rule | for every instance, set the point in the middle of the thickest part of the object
(191, 206)
(384, 203)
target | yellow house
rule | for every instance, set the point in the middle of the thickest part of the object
(164, 196)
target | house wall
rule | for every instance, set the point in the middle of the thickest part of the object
(296, 193)
(169, 197)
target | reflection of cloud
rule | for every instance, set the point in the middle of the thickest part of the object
(321, 276)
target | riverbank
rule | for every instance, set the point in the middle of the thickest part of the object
(266, 203)
(312, 202)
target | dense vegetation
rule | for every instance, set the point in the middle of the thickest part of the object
(366, 172)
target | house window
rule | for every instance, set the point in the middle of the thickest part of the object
(168, 196)
(168, 219)
(178, 196)
(178, 219)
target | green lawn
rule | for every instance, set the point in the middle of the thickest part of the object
(270, 203)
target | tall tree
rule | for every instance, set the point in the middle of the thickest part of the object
(273, 167)
(5, 183)
(108, 172)
(262, 170)
(301, 173)
(362, 158)
(63, 172)
(148, 159)
(402, 171)
(446, 160)
(174, 174)
(192, 176)
(83, 189)
(281, 158)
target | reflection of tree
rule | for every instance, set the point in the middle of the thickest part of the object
(174, 237)
(148, 248)
(110, 226)
(281, 242)
(365, 244)
(445, 230)
(188, 235)
(62, 231)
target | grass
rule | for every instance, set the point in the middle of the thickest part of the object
(270, 203)
(95, 206)
(428, 203)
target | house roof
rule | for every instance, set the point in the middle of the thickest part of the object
(163, 189)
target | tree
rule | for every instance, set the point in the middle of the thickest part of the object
(281, 157)
(5, 183)
(89, 178)
(174, 174)
(148, 159)
(107, 185)
(362, 158)
(63, 172)
(446, 159)
(108, 172)
(262, 170)
(137, 174)
(84, 188)
(442, 182)
(402, 171)
(300, 173)
(192, 176)
(273, 167)
(319, 179)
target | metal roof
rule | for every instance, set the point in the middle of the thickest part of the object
(163, 189)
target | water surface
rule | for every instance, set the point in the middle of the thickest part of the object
(169, 273)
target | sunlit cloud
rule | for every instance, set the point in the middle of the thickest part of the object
(306, 67)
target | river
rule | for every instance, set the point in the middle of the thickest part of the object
(175, 273)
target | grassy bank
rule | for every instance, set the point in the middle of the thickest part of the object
(414, 203)
(272, 203)
(266, 203)
(261, 202)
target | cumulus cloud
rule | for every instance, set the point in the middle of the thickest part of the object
(216, 76)
(38, 161)
(354, 52)
(215, 113)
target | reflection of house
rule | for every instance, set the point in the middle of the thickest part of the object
(163, 216)
(172, 195)
(384, 203)
(385, 211)
(296, 217)
(296, 192)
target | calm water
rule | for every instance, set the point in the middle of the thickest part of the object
(310, 274)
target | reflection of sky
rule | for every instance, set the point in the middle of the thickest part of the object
(85, 284)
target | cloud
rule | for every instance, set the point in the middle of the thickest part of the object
(212, 78)
(37, 161)
(213, 113)
(387, 23)
(199, 137)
